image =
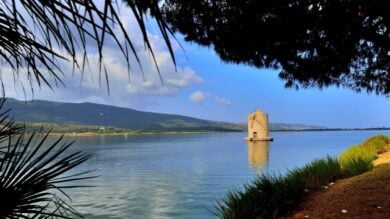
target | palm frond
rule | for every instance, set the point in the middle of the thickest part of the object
(31, 177)
(33, 172)
(8, 128)
(36, 35)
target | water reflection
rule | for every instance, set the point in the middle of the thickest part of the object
(258, 154)
(182, 176)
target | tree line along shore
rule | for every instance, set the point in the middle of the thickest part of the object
(93, 130)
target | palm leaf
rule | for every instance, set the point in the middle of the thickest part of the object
(36, 35)
(33, 172)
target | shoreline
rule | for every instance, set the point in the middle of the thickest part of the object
(330, 130)
(310, 191)
(360, 196)
(90, 134)
(87, 134)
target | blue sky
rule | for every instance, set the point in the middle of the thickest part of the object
(247, 88)
(207, 88)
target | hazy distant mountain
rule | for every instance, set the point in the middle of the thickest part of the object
(39, 111)
(297, 127)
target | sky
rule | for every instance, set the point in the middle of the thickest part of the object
(205, 87)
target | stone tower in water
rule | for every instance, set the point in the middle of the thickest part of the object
(258, 127)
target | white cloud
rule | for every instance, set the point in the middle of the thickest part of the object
(135, 88)
(198, 96)
(223, 101)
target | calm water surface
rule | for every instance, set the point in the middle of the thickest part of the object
(182, 176)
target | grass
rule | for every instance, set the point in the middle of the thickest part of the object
(359, 159)
(356, 160)
(317, 173)
(270, 195)
(377, 143)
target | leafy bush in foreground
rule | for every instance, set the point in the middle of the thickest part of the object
(270, 196)
(357, 165)
(377, 143)
(317, 173)
(356, 160)
(274, 195)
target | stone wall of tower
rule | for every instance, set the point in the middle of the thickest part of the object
(258, 126)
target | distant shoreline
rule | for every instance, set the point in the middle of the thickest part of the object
(333, 129)
(86, 134)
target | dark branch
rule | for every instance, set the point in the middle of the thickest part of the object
(314, 43)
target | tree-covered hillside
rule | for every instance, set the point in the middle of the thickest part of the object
(39, 111)
(90, 116)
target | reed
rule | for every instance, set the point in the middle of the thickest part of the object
(377, 143)
(272, 195)
(356, 160)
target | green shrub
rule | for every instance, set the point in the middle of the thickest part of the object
(356, 152)
(357, 159)
(270, 196)
(357, 165)
(267, 197)
(317, 173)
(377, 143)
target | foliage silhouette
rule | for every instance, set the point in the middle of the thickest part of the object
(314, 43)
(32, 179)
(36, 35)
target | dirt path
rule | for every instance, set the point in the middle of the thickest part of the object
(383, 158)
(363, 196)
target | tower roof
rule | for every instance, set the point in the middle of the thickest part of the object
(258, 112)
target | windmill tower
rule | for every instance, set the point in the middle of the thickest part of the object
(258, 127)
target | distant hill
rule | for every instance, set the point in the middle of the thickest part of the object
(40, 111)
(293, 127)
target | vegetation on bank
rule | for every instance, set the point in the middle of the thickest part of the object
(94, 115)
(82, 129)
(359, 159)
(104, 119)
(271, 195)
(31, 127)
(74, 129)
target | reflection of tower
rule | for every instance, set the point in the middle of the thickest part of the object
(258, 127)
(258, 154)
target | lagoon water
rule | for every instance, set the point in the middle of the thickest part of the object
(182, 176)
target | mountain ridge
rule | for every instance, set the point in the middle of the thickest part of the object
(87, 113)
